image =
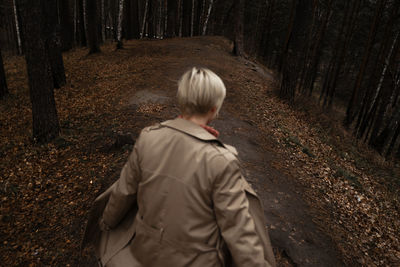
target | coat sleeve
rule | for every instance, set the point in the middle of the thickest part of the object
(233, 217)
(123, 195)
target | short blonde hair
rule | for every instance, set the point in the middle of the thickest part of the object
(199, 90)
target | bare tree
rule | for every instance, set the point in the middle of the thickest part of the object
(207, 17)
(3, 83)
(367, 54)
(146, 6)
(92, 23)
(44, 113)
(66, 25)
(238, 48)
(119, 30)
(103, 21)
(17, 27)
(51, 36)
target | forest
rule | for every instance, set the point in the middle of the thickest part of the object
(335, 52)
(330, 63)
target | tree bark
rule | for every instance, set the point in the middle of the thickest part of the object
(44, 113)
(357, 86)
(135, 21)
(173, 18)
(146, 7)
(119, 30)
(93, 23)
(81, 27)
(17, 27)
(186, 17)
(3, 83)
(51, 31)
(103, 21)
(238, 47)
(207, 17)
(66, 25)
(192, 19)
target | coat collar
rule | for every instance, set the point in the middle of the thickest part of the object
(190, 128)
(196, 131)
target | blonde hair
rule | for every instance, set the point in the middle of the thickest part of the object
(199, 90)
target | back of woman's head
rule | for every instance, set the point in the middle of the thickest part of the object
(199, 90)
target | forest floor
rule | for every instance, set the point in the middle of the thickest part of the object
(328, 201)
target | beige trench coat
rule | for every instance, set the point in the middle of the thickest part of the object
(180, 201)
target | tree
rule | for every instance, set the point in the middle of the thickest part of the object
(294, 47)
(81, 35)
(120, 17)
(66, 25)
(207, 17)
(44, 113)
(238, 48)
(17, 27)
(3, 83)
(367, 54)
(173, 18)
(92, 14)
(52, 40)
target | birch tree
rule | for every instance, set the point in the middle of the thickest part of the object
(146, 6)
(207, 17)
(192, 19)
(119, 29)
(17, 27)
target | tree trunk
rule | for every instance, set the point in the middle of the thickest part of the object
(186, 17)
(312, 69)
(289, 33)
(93, 23)
(17, 27)
(173, 18)
(119, 30)
(66, 25)
(294, 45)
(238, 47)
(3, 83)
(44, 113)
(192, 19)
(264, 49)
(135, 21)
(103, 21)
(357, 86)
(146, 7)
(207, 17)
(81, 27)
(51, 31)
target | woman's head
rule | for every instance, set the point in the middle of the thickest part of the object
(199, 91)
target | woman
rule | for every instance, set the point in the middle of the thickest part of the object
(181, 199)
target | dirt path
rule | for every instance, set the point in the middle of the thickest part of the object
(122, 92)
(295, 237)
(291, 228)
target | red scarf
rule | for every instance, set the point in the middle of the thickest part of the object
(209, 129)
